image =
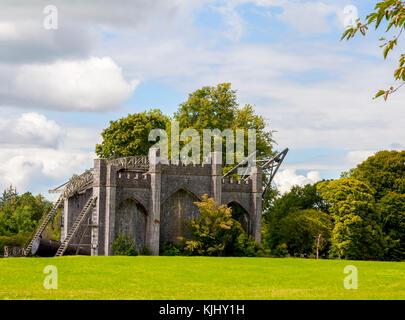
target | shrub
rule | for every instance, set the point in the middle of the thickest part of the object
(171, 249)
(281, 250)
(145, 251)
(123, 245)
(215, 233)
(17, 240)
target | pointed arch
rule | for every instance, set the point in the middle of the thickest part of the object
(185, 188)
(137, 201)
(175, 211)
(240, 214)
(131, 219)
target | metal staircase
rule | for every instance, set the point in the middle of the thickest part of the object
(75, 184)
(87, 208)
(51, 214)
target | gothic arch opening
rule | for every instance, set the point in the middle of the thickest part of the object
(130, 219)
(174, 213)
(240, 214)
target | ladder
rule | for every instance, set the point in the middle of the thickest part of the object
(43, 225)
(75, 226)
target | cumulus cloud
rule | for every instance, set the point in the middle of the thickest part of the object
(37, 153)
(30, 129)
(8, 31)
(309, 17)
(94, 84)
(37, 169)
(28, 42)
(288, 178)
(233, 20)
(357, 157)
(128, 14)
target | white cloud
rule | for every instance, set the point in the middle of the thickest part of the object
(308, 17)
(8, 31)
(94, 84)
(29, 129)
(37, 153)
(233, 20)
(34, 168)
(357, 157)
(288, 178)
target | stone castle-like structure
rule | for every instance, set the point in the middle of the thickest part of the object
(150, 201)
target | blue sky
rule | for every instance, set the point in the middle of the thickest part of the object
(60, 88)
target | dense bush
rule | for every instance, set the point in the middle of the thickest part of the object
(145, 251)
(123, 245)
(215, 233)
(19, 216)
(281, 215)
(17, 240)
(304, 232)
(21, 213)
(172, 249)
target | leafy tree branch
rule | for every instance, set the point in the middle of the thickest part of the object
(393, 11)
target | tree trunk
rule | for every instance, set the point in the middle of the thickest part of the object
(317, 246)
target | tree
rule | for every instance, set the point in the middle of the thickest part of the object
(206, 108)
(384, 172)
(7, 195)
(123, 245)
(215, 233)
(306, 232)
(357, 232)
(299, 198)
(393, 11)
(129, 136)
(392, 208)
(21, 213)
(216, 107)
(19, 216)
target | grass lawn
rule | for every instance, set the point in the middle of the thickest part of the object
(146, 277)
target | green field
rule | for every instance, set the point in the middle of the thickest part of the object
(146, 277)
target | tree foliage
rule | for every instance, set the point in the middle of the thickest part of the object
(128, 136)
(385, 173)
(393, 12)
(123, 245)
(299, 198)
(392, 208)
(302, 230)
(19, 216)
(215, 233)
(357, 233)
(216, 107)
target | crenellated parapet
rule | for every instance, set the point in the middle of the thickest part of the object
(130, 179)
(182, 168)
(236, 185)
